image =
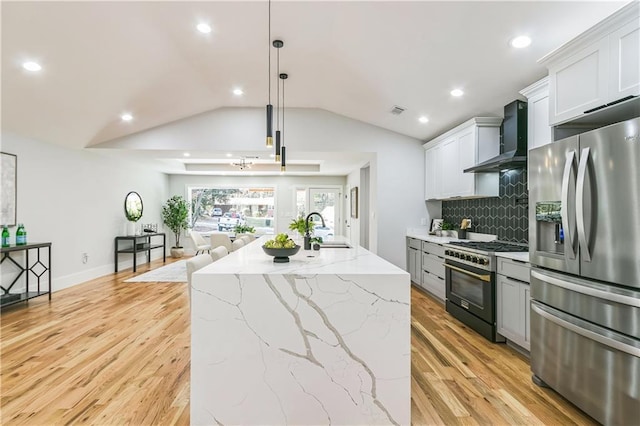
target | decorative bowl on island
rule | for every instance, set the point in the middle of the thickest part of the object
(281, 255)
(281, 247)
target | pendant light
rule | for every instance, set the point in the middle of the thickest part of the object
(278, 44)
(269, 106)
(283, 156)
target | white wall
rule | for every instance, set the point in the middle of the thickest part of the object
(75, 200)
(353, 180)
(285, 191)
(397, 174)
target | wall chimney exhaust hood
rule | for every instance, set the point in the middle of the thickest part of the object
(513, 145)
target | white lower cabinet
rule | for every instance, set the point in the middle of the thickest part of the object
(433, 284)
(433, 271)
(414, 260)
(514, 301)
(425, 264)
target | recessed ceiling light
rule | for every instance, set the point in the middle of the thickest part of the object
(238, 92)
(126, 117)
(229, 154)
(457, 92)
(186, 154)
(520, 42)
(204, 28)
(32, 66)
(423, 119)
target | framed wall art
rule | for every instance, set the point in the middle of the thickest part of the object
(8, 188)
(354, 202)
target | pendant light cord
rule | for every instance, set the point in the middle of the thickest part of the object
(269, 47)
(278, 90)
(283, 81)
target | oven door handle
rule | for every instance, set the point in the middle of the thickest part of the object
(485, 278)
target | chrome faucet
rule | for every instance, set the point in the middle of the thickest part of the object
(307, 233)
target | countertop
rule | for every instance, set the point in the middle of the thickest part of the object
(521, 256)
(423, 234)
(432, 238)
(251, 259)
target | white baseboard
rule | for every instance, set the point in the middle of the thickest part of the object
(70, 280)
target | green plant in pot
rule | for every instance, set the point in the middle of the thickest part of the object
(446, 226)
(299, 225)
(174, 214)
(315, 242)
(244, 229)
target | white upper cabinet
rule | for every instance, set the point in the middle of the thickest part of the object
(433, 169)
(461, 148)
(449, 161)
(596, 68)
(579, 83)
(625, 61)
(538, 130)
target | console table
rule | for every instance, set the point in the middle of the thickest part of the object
(139, 244)
(38, 269)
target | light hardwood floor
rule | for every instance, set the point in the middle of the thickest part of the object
(109, 352)
(103, 352)
(458, 377)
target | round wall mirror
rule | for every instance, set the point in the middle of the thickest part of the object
(133, 206)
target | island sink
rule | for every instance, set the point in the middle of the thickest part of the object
(331, 244)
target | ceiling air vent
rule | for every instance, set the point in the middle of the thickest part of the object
(397, 110)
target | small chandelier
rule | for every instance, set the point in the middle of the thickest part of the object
(243, 164)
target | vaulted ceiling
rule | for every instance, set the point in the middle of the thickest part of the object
(357, 59)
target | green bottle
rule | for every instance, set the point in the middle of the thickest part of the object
(21, 235)
(5, 236)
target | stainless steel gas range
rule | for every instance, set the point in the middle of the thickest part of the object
(471, 283)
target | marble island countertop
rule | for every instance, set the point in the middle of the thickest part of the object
(251, 259)
(321, 340)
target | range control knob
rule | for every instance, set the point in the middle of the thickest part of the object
(482, 261)
(468, 257)
(456, 254)
(447, 252)
(474, 259)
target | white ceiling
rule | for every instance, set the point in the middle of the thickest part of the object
(357, 59)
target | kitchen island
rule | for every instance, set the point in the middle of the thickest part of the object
(318, 340)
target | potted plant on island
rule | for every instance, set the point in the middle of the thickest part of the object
(315, 242)
(174, 214)
(299, 225)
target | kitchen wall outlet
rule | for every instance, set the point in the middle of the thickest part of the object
(85, 257)
(423, 221)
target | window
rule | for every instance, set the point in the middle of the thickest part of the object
(221, 209)
(325, 201)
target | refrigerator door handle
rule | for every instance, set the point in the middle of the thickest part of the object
(592, 335)
(569, 234)
(582, 175)
(583, 288)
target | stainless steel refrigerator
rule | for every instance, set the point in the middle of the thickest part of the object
(584, 239)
